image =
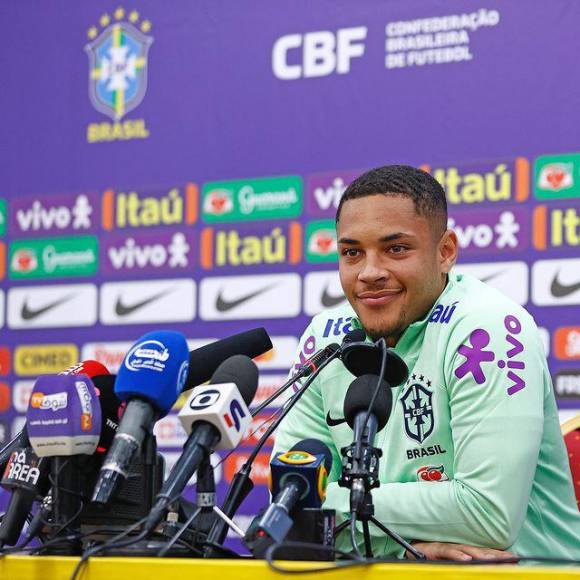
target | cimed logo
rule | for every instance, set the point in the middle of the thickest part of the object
(118, 63)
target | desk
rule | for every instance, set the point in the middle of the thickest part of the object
(60, 568)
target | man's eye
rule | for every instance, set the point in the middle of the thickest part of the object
(350, 252)
(397, 249)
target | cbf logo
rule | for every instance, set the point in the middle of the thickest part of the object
(118, 73)
(417, 404)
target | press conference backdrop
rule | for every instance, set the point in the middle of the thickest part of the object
(179, 166)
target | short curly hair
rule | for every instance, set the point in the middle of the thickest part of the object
(426, 192)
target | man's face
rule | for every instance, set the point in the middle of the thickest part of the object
(392, 265)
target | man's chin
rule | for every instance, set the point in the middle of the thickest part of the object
(389, 333)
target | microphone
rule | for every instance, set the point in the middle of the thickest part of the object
(216, 416)
(309, 366)
(64, 416)
(204, 361)
(150, 379)
(361, 358)
(91, 368)
(26, 477)
(361, 459)
(298, 481)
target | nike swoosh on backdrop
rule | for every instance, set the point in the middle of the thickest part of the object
(560, 290)
(490, 276)
(333, 422)
(329, 300)
(28, 313)
(224, 305)
(124, 310)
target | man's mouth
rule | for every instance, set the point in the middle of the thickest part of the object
(378, 298)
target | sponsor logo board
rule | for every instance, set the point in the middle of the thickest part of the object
(1, 308)
(320, 242)
(171, 458)
(169, 432)
(132, 209)
(279, 357)
(567, 383)
(567, 343)
(322, 290)
(39, 359)
(510, 278)
(143, 302)
(147, 252)
(493, 182)
(53, 258)
(260, 468)
(324, 191)
(252, 199)
(250, 297)
(110, 354)
(556, 227)
(557, 176)
(5, 365)
(3, 215)
(484, 230)
(5, 397)
(267, 386)
(54, 214)
(58, 306)
(556, 282)
(21, 391)
(251, 245)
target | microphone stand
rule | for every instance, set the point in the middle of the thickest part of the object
(242, 485)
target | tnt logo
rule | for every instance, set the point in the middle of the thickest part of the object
(323, 53)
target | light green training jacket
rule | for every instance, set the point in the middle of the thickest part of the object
(472, 451)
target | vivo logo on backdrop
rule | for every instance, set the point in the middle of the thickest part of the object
(317, 54)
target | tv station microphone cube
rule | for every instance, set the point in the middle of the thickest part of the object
(301, 465)
(63, 416)
(221, 405)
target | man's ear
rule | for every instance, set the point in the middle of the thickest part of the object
(447, 251)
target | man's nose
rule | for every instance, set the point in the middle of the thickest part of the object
(372, 271)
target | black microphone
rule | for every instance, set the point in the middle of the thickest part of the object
(298, 480)
(27, 477)
(204, 361)
(216, 416)
(361, 459)
(361, 358)
(19, 441)
(305, 370)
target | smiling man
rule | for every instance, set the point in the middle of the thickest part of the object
(473, 459)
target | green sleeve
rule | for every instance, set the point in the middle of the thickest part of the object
(496, 438)
(306, 419)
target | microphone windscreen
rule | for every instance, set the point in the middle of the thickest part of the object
(204, 361)
(154, 369)
(364, 358)
(359, 396)
(105, 386)
(315, 447)
(240, 370)
(356, 335)
(91, 368)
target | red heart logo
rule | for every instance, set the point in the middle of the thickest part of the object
(218, 203)
(555, 177)
(324, 243)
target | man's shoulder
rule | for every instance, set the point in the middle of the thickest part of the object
(333, 323)
(476, 302)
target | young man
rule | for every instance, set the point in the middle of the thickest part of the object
(472, 451)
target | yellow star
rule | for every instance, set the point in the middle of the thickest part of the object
(134, 16)
(119, 13)
(92, 33)
(104, 20)
(146, 26)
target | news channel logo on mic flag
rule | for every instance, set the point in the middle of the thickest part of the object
(155, 367)
(64, 416)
